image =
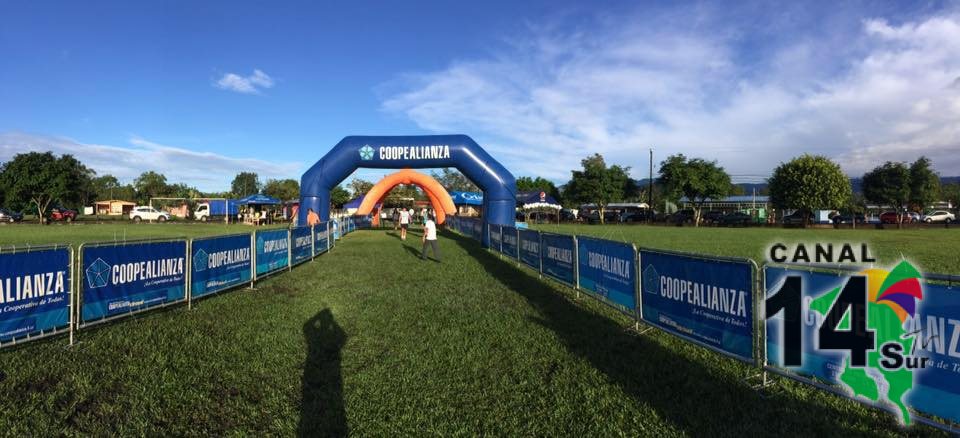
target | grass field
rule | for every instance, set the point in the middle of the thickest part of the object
(934, 249)
(77, 233)
(371, 340)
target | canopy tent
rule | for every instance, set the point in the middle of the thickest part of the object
(539, 200)
(355, 204)
(467, 198)
(258, 199)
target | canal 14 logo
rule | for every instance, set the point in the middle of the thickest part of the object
(870, 319)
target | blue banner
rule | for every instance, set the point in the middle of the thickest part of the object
(495, 233)
(320, 238)
(478, 229)
(606, 269)
(302, 240)
(220, 263)
(926, 323)
(707, 301)
(335, 229)
(509, 243)
(125, 278)
(34, 292)
(272, 246)
(530, 248)
(557, 251)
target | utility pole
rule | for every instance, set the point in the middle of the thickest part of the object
(650, 188)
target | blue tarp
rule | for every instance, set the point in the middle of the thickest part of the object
(258, 199)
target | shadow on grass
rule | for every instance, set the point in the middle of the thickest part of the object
(321, 410)
(699, 399)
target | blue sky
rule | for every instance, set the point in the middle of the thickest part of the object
(202, 90)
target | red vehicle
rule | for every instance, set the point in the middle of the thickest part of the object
(62, 214)
(890, 217)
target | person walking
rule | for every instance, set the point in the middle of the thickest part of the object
(404, 223)
(312, 217)
(430, 239)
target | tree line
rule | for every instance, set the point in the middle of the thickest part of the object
(36, 181)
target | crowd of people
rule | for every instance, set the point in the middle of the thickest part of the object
(403, 218)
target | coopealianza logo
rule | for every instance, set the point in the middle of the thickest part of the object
(366, 152)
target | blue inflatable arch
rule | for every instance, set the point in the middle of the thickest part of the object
(415, 152)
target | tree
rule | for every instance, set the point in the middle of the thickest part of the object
(888, 184)
(951, 193)
(245, 184)
(696, 179)
(181, 190)
(339, 196)
(598, 184)
(808, 183)
(39, 179)
(924, 184)
(150, 184)
(528, 184)
(453, 180)
(282, 189)
(105, 187)
(359, 187)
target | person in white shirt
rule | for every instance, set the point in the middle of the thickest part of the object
(404, 223)
(430, 239)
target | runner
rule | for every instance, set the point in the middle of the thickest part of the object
(404, 223)
(430, 239)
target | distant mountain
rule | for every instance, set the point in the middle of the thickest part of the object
(761, 188)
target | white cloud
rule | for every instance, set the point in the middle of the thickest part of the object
(253, 84)
(204, 170)
(553, 98)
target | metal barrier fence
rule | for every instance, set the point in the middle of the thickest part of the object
(728, 305)
(720, 303)
(50, 289)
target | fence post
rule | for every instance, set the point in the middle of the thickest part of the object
(637, 289)
(576, 265)
(253, 258)
(313, 242)
(540, 254)
(188, 288)
(73, 293)
(289, 249)
(328, 236)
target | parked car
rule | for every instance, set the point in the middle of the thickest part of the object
(889, 217)
(567, 215)
(912, 217)
(711, 217)
(682, 217)
(849, 218)
(798, 218)
(939, 216)
(609, 217)
(62, 214)
(638, 216)
(10, 216)
(736, 218)
(149, 214)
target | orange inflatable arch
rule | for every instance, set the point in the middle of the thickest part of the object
(440, 200)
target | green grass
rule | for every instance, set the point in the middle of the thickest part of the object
(77, 233)
(371, 340)
(934, 249)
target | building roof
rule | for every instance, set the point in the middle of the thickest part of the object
(115, 201)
